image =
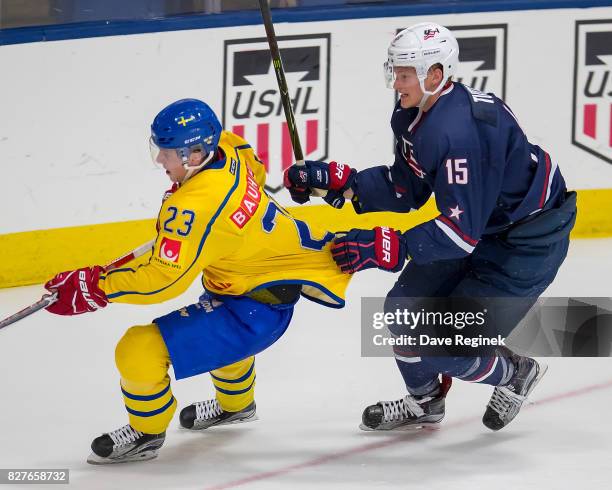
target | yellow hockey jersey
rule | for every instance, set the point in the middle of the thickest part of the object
(222, 223)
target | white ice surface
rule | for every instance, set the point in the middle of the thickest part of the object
(59, 389)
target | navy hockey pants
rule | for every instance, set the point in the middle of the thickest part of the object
(520, 263)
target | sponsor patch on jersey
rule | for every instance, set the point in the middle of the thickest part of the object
(252, 106)
(249, 202)
(592, 112)
(171, 252)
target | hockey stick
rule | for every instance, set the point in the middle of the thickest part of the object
(49, 299)
(284, 90)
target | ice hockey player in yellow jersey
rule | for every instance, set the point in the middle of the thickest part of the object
(255, 260)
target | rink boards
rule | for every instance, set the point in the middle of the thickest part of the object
(82, 188)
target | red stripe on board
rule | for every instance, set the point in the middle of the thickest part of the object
(312, 136)
(263, 143)
(590, 120)
(239, 130)
(287, 149)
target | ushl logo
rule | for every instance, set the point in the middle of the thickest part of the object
(592, 115)
(252, 106)
(482, 57)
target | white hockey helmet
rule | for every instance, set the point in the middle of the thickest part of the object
(422, 46)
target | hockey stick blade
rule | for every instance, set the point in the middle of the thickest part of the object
(49, 299)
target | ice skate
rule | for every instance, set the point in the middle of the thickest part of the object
(202, 415)
(409, 412)
(124, 445)
(506, 401)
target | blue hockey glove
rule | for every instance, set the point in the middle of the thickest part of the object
(381, 247)
(299, 192)
(333, 177)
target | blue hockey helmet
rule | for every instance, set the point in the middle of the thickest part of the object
(186, 125)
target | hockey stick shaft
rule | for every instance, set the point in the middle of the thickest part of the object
(49, 299)
(282, 81)
(279, 70)
(45, 301)
(128, 257)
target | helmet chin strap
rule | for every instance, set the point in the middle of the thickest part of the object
(193, 169)
(427, 93)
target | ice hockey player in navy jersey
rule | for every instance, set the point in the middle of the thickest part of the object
(502, 230)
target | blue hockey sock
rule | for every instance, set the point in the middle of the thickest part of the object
(493, 371)
(421, 374)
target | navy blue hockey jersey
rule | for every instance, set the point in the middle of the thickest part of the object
(470, 151)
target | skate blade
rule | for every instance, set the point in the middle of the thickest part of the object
(541, 373)
(404, 428)
(143, 456)
(251, 418)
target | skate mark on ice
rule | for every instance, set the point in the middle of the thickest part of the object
(404, 437)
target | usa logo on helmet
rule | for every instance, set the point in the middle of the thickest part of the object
(429, 33)
(482, 63)
(252, 105)
(482, 57)
(592, 114)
